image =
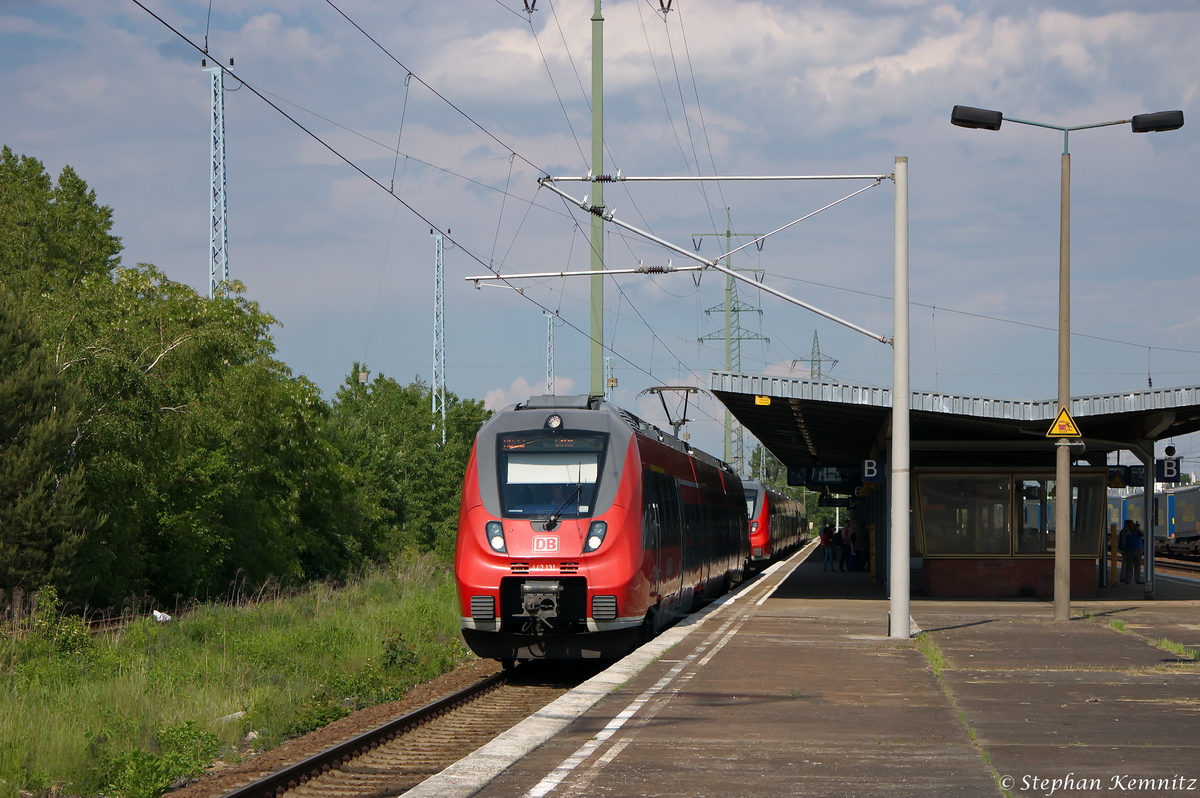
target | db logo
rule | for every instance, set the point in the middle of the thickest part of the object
(545, 544)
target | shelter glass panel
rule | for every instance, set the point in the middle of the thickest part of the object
(966, 513)
(1036, 529)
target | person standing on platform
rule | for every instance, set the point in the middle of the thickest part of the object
(1122, 541)
(827, 547)
(1135, 546)
(862, 547)
(844, 538)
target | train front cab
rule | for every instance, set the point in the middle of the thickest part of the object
(545, 562)
(581, 576)
(777, 524)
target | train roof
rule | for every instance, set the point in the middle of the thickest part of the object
(639, 425)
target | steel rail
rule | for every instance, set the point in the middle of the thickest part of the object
(293, 776)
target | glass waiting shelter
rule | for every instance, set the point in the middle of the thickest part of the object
(1005, 513)
(982, 472)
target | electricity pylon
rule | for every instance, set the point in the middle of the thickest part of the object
(733, 335)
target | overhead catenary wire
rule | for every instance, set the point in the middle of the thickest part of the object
(944, 309)
(336, 153)
(554, 86)
(262, 95)
(699, 105)
(435, 92)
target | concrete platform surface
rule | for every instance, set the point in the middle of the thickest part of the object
(792, 689)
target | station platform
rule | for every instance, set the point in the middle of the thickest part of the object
(790, 687)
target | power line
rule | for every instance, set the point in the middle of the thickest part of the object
(985, 316)
(336, 153)
(436, 93)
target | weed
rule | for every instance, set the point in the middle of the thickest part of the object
(181, 752)
(932, 653)
(1119, 625)
(1175, 648)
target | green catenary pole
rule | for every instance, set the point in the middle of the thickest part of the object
(597, 228)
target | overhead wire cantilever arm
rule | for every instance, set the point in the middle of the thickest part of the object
(716, 262)
(477, 279)
(619, 178)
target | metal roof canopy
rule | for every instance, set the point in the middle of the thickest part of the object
(818, 423)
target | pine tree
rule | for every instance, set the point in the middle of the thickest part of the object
(41, 515)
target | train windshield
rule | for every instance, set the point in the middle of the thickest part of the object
(751, 501)
(543, 474)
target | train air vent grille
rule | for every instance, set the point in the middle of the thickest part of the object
(604, 608)
(483, 608)
(520, 567)
(569, 567)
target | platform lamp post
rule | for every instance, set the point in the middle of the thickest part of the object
(979, 118)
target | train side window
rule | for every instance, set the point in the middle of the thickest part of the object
(672, 517)
(651, 518)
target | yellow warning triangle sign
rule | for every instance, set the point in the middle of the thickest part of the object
(1063, 426)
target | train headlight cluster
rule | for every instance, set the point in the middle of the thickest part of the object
(595, 536)
(753, 526)
(495, 536)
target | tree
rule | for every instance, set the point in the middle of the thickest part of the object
(209, 460)
(411, 481)
(42, 517)
(51, 234)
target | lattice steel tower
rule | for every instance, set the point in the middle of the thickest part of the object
(733, 335)
(549, 352)
(218, 240)
(439, 334)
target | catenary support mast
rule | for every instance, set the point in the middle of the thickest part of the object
(438, 389)
(218, 240)
(597, 226)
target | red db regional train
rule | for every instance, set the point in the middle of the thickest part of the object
(584, 530)
(777, 522)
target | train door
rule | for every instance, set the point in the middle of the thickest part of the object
(672, 532)
(662, 538)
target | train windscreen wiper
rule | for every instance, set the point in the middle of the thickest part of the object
(556, 516)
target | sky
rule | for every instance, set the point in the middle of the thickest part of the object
(452, 114)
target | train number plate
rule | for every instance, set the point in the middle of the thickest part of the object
(545, 544)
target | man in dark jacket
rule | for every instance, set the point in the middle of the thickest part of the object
(1135, 546)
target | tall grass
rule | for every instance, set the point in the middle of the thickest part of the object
(129, 712)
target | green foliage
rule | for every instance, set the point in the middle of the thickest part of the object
(54, 633)
(42, 520)
(51, 234)
(180, 751)
(205, 461)
(388, 435)
(147, 705)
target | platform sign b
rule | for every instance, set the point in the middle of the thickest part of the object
(872, 471)
(1166, 470)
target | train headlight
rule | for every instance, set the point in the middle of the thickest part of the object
(495, 536)
(753, 526)
(554, 422)
(595, 536)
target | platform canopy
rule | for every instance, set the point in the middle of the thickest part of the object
(837, 424)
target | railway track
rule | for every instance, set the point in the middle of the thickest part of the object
(400, 754)
(1190, 567)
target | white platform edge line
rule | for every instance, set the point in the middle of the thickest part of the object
(475, 771)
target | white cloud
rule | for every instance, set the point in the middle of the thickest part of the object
(520, 390)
